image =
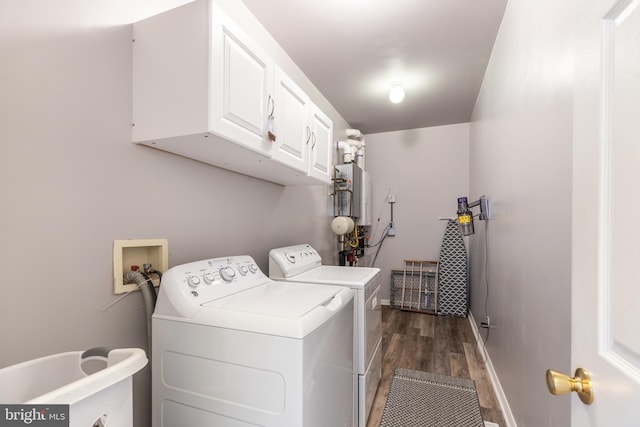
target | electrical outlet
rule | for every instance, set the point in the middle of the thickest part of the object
(486, 324)
(128, 253)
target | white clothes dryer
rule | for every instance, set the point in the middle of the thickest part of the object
(233, 348)
(302, 263)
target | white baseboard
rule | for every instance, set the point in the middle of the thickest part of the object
(497, 387)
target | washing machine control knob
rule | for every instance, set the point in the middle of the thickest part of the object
(193, 281)
(243, 270)
(253, 268)
(208, 278)
(227, 274)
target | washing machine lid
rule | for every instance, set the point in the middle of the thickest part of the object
(354, 277)
(276, 308)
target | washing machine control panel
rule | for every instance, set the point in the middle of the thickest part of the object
(292, 260)
(188, 286)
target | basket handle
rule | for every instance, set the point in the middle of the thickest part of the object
(96, 352)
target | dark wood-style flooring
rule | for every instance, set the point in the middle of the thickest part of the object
(438, 344)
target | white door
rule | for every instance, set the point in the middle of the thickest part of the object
(606, 200)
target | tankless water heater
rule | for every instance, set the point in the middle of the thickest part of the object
(348, 197)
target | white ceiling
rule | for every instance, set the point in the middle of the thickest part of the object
(353, 49)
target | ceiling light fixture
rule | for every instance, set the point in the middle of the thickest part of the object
(396, 94)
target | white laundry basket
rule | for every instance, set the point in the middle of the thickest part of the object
(96, 384)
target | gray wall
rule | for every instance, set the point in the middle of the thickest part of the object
(521, 154)
(71, 182)
(427, 170)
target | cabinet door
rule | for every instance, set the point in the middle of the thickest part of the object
(321, 145)
(291, 123)
(240, 86)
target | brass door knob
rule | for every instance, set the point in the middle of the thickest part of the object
(559, 383)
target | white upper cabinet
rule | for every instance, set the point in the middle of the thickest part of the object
(205, 90)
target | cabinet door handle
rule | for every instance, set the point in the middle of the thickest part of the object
(313, 137)
(308, 135)
(273, 106)
(270, 134)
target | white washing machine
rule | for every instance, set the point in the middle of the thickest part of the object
(302, 263)
(233, 348)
